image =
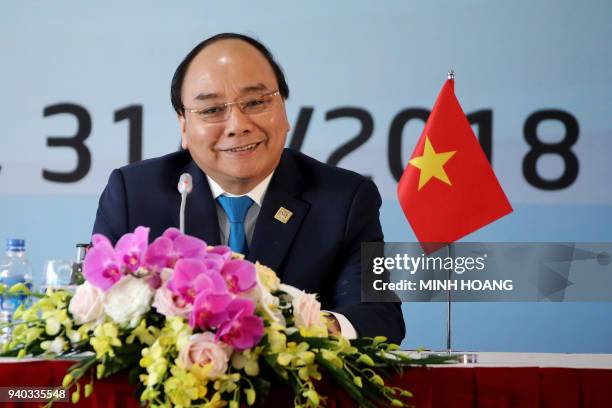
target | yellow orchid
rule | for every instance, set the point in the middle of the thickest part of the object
(276, 338)
(146, 335)
(156, 364)
(250, 396)
(104, 339)
(52, 326)
(309, 371)
(183, 387)
(296, 355)
(267, 277)
(226, 382)
(83, 331)
(32, 334)
(332, 357)
(314, 331)
(247, 359)
(31, 314)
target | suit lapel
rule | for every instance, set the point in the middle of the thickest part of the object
(200, 211)
(272, 238)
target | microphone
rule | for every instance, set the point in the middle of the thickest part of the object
(185, 186)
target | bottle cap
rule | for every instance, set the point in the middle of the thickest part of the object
(81, 252)
(15, 244)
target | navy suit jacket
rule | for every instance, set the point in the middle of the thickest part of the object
(318, 250)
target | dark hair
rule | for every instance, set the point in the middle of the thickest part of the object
(179, 74)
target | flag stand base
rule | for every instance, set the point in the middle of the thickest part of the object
(462, 357)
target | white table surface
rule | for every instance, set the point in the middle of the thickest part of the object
(492, 359)
(500, 359)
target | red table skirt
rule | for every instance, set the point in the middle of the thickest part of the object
(432, 387)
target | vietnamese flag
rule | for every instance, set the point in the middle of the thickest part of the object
(448, 188)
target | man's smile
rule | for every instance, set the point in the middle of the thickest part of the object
(242, 148)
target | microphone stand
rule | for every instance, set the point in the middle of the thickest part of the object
(182, 211)
(185, 185)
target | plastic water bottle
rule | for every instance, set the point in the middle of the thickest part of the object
(14, 269)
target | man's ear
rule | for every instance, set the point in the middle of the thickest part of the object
(183, 126)
(286, 120)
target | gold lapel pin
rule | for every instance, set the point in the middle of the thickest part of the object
(283, 215)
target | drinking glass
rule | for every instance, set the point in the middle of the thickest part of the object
(57, 274)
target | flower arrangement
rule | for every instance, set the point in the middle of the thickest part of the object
(197, 325)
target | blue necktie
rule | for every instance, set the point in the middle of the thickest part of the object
(236, 209)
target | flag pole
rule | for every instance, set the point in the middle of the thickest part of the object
(451, 254)
(463, 357)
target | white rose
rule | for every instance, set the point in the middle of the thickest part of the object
(86, 304)
(290, 290)
(128, 300)
(307, 311)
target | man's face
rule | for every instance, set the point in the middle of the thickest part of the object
(242, 150)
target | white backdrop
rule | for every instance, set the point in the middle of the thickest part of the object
(110, 65)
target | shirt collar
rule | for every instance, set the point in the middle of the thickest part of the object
(256, 194)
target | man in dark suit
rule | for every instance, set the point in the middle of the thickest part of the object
(302, 218)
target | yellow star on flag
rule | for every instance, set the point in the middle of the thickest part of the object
(431, 164)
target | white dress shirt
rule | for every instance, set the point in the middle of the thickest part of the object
(257, 194)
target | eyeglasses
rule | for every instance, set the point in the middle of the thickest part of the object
(250, 105)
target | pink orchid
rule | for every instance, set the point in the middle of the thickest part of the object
(209, 281)
(187, 246)
(191, 276)
(171, 233)
(166, 250)
(159, 253)
(239, 275)
(209, 310)
(214, 262)
(102, 267)
(243, 329)
(97, 239)
(224, 251)
(131, 247)
(154, 280)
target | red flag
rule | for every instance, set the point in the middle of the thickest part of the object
(448, 188)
